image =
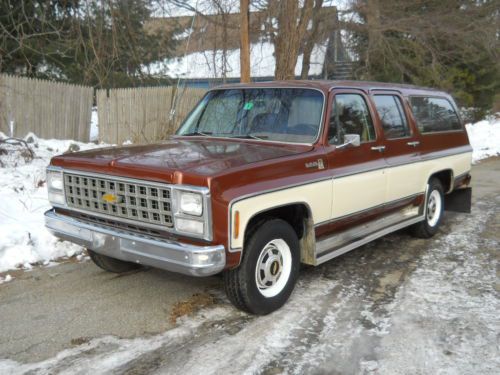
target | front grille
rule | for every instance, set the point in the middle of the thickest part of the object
(138, 201)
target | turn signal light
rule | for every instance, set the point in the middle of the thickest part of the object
(236, 224)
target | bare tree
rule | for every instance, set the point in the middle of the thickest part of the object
(292, 21)
(244, 42)
(311, 39)
(454, 45)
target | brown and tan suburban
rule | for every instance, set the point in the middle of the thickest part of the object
(263, 177)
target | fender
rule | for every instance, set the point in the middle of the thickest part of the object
(315, 195)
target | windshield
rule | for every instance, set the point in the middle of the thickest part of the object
(275, 114)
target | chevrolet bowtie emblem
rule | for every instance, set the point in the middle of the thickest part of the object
(111, 198)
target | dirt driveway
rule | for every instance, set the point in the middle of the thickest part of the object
(396, 306)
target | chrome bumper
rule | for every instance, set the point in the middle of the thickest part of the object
(165, 254)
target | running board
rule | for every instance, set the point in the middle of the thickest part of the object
(339, 244)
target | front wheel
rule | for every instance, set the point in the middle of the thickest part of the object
(434, 208)
(268, 271)
(111, 264)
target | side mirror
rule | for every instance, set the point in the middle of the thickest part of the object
(351, 140)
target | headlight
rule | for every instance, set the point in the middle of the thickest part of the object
(191, 203)
(189, 226)
(55, 187)
(54, 180)
(56, 198)
(191, 211)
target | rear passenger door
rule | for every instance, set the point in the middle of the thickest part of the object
(401, 148)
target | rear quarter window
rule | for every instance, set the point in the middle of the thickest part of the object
(434, 114)
(392, 115)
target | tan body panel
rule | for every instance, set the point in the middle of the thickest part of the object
(316, 195)
(331, 199)
(358, 192)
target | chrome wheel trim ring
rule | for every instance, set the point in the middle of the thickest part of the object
(434, 206)
(273, 268)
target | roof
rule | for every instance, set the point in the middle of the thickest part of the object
(327, 85)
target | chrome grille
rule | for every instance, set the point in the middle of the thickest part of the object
(143, 202)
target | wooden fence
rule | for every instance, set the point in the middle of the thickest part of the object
(142, 114)
(48, 109)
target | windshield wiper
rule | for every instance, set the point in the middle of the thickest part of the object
(206, 134)
(251, 136)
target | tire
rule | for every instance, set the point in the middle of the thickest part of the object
(268, 271)
(111, 264)
(434, 208)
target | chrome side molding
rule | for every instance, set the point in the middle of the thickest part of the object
(340, 243)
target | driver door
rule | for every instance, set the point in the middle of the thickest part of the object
(358, 172)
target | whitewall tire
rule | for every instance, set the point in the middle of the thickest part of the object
(268, 271)
(434, 209)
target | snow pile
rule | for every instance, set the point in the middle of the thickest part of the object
(484, 138)
(94, 125)
(6, 279)
(23, 200)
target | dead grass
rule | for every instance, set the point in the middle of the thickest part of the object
(79, 341)
(188, 307)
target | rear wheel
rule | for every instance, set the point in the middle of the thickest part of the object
(111, 264)
(434, 208)
(268, 271)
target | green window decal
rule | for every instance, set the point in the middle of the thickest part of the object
(248, 106)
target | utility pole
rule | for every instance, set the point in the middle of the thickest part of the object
(245, 42)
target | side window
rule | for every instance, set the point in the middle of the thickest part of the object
(434, 114)
(350, 115)
(391, 113)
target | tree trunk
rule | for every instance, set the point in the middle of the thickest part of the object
(311, 40)
(374, 31)
(245, 43)
(292, 24)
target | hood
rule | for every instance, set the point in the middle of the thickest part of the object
(172, 160)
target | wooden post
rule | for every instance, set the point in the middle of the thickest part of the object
(245, 43)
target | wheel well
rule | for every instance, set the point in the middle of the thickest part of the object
(298, 215)
(445, 177)
(294, 214)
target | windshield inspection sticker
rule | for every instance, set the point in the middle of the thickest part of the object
(248, 106)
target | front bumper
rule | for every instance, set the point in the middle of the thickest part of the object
(160, 253)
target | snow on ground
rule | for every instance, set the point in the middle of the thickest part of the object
(6, 279)
(23, 200)
(208, 64)
(94, 125)
(449, 306)
(484, 137)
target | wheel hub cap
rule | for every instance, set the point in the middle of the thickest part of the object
(273, 268)
(433, 208)
(270, 264)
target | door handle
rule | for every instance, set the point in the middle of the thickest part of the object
(414, 143)
(378, 148)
